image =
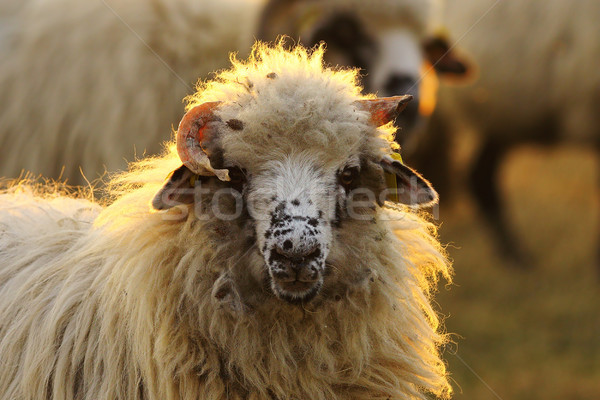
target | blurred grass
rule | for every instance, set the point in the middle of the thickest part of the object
(528, 334)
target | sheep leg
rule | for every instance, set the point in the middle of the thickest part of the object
(485, 188)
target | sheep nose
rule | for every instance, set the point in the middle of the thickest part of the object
(402, 84)
(296, 265)
(298, 256)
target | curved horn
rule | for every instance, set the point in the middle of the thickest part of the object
(384, 109)
(198, 127)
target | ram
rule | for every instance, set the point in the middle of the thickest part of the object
(270, 264)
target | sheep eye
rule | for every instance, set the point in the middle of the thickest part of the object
(348, 175)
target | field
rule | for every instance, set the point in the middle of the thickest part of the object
(528, 334)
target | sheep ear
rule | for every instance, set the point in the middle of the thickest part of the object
(445, 61)
(405, 185)
(178, 189)
(384, 109)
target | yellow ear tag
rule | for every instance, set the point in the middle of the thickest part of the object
(396, 156)
(391, 182)
(193, 180)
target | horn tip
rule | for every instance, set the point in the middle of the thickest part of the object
(402, 102)
(405, 98)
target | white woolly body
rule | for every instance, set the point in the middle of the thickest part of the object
(92, 83)
(125, 303)
(538, 69)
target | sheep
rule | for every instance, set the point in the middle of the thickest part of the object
(538, 83)
(397, 44)
(76, 72)
(268, 266)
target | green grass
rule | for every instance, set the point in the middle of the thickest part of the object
(531, 334)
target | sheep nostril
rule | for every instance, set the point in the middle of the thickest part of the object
(297, 256)
(296, 264)
(313, 254)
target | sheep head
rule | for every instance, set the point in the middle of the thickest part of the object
(295, 204)
(287, 155)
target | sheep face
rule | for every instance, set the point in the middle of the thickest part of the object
(393, 60)
(391, 57)
(293, 206)
(297, 205)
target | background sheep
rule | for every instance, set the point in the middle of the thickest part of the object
(77, 72)
(90, 83)
(196, 302)
(538, 83)
(391, 41)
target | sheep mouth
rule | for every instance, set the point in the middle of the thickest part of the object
(295, 276)
(296, 292)
(295, 286)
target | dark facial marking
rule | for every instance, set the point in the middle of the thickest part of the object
(278, 216)
(280, 232)
(235, 124)
(317, 253)
(272, 75)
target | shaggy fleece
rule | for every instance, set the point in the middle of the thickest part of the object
(121, 302)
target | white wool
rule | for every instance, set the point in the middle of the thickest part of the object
(93, 83)
(141, 305)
